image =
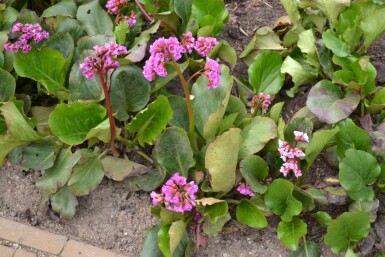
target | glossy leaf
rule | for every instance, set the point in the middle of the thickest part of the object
(64, 203)
(150, 243)
(201, 9)
(62, 8)
(329, 103)
(372, 24)
(265, 73)
(176, 232)
(309, 249)
(7, 85)
(358, 170)
(150, 122)
(323, 218)
(253, 168)
(71, 123)
(289, 233)
(173, 151)
(209, 105)
(256, 135)
(216, 210)
(248, 213)
(71, 26)
(221, 160)
(119, 169)
(279, 198)
(39, 155)
(338, 47)
(57, 176)
(347, 228)
(180, 114)
(129, 91)
(94, 20)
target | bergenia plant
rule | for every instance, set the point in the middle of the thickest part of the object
(101, 62)
(27, 34)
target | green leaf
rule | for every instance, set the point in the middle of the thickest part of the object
(47, 66)
(329, 104)
(63, 43)
(210, 105)
(265, 73)
(88, 42)
(253, 168)
(297, 72)
(57, 176)
(180, 113)
(71, 26)
(323, 218)
(358, 170)
(221, 160)
(119, 169)
(347, 228)
(350, 136)
(121, 31)
(7, 86)
(94, 20)
(338, 47)
(216, 210)
(213, 229)
(201, 9)
(307, 44)
(164, 240)
(62, 8)
(19, 132)
(150, 243)
(298, 124)
(82, 88)
(41, 115)
(309, 249)
(256, 135)
(71, 123)
(289, 233)
(86, 175)
(39, 155)
(248, 213)
(370, 207)
(64, 203)
(372, 24)
(124, 81)
(176, 232)
(236, 106)
(150, 122)
(305, 198)
(101, 132)
(173, 151)
(183, 9)
(348, 26)
(381, 180)
(279, 198)
(330, 8)
(378, 102)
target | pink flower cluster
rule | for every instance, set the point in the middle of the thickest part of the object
(261, 101)
(164, 50)
(290, 155)
(177, 195)
(29, 32)
(114, 6)
(101, 60)
(244, 189)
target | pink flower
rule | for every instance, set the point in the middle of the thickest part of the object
(101, 60)
(213, 72)
(131, 19)
(261, 101)
(204, 45)
(113, 6)
(177, 195)
(291, 164)
(188, 42)
(288, 152)
(301, 136)
(244, 189)
(29, 32)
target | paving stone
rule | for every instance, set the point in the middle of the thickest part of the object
(31, 237)
(6, 251)
(78, 249)
(24, 253)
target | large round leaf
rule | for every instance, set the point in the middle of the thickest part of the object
(119, 169)
(289, 233)
(71, 123)
(329, 103)
(201, 9)
(358, 170)
(63, 8)
(279, 198)
(94, 20)
(256, 134)
(253, 169)
(64, 202)
(180, 113)
(129, 91)
(173, 151)
(221, 160)
(7, 85)
(248, 213)
(265, 73)
(347, 228)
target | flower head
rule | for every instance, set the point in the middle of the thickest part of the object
(113, 6)
(261, 101)
(101, 60)
(244, 189)
(131, 19)
(301, 136)
(213, 72)
(176, 194)
(30, 32)
(291, 164)
(188, 42)
(288, 152)
(204, 45)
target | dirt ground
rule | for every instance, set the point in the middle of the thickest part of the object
(113, 218)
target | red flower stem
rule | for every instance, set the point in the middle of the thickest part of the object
(109, 113)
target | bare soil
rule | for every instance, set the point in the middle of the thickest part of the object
(113, 218)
